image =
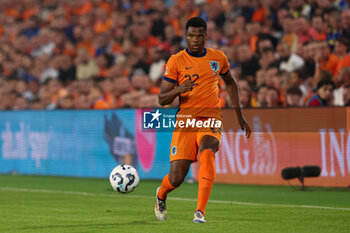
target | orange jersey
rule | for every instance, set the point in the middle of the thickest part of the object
(204, 70)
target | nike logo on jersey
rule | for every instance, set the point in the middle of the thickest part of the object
(187, 68)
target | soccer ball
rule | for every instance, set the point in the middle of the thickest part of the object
(124, 178)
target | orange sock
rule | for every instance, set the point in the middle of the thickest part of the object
(165, 188)
(206, 177)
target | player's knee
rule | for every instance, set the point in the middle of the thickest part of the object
(213, 149)
(210, 143)
(176, 181)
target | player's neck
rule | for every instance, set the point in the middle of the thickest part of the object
(202, 53)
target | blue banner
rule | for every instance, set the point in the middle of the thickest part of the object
(81, 143)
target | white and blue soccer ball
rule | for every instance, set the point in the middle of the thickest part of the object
(124, 178)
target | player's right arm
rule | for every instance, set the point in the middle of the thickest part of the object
(169, 90)
(169, 87)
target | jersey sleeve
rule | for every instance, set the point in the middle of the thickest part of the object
(171, 72)
(225, 67)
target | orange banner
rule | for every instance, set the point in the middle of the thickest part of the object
(283, 138)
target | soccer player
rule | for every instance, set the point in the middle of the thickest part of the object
(193, 75)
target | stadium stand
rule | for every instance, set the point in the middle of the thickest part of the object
(96, 54)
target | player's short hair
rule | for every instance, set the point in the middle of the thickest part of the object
(196, 22)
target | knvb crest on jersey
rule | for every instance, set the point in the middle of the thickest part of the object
(214, 65)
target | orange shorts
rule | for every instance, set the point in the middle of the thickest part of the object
(185, 142)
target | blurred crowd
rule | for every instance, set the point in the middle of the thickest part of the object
(98, 54)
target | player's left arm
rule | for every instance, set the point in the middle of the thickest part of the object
(233, 91)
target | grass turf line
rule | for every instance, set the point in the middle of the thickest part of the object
(108, 211)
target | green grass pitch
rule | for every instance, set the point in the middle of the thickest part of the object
(63, 204)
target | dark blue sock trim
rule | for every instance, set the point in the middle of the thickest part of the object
(199, 211)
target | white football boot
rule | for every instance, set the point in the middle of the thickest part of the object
(160, 208)
(198, 217)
